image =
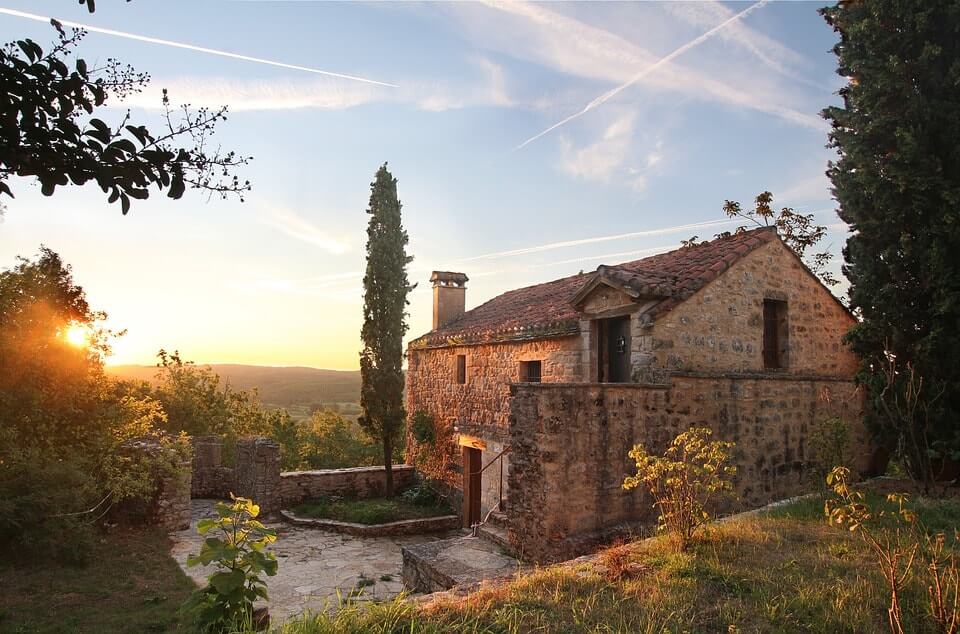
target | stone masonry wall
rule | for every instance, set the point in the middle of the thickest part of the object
(720, 328)
(480, 407)
(570, 444)
(210, 478)
(482, 402)
(170, 506)
(258, 473)
(358, 482)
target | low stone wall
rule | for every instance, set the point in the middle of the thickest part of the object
(401, 527)
(358, 482)
(570, 443)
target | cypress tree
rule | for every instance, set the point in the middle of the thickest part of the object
(385, 289)
(897, 181)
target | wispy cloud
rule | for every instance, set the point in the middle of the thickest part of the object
(771, 53)
(612, 157)
(535, 33)
(297, 227)
(191, 47)
(489, 88)
(666, 59)
(582, 241)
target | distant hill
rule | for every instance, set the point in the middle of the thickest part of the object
(293, 388)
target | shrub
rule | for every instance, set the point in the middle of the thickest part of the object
(422, 428)
(226, 602)
(830, 446)
(691, 472)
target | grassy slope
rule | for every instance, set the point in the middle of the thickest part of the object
(784, 571)
(131, 584)
(780, 572)
(280, 387)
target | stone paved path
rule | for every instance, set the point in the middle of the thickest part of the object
(314, 565)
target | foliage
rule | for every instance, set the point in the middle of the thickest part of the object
(422, 428)
(61, 465)
(421, 494)
(47, 100)
(683, 481)
(371, 510)
(436, 455)
(897, 537)
(903, 407)
(238, 550)
(385, 302)
(330, 441)
(797, 230)
(894, 551)
(829, 445)
(897, 182)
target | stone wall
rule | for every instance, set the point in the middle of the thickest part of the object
(210, 478)
(258, 473)
(570, 444)
(720, 328)
(483, 400)
(358, 482)
(170, 506)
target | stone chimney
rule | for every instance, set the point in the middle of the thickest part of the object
(449, 296)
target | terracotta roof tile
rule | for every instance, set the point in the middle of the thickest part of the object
(545, 310)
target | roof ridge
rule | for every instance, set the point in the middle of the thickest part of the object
(674, 275)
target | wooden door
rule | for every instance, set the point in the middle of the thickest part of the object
(472, 464)
(613, 350)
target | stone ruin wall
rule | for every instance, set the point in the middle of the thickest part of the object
(170, 507)
(570, 446)
(720, 327)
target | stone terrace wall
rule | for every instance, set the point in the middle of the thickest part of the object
(359, 482)
(570, 445)
(720, 328)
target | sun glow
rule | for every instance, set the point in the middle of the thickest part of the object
(77, 335)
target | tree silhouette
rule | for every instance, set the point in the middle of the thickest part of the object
(48, 131)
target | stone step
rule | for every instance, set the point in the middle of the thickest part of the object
(461, 561)
(498, 518)
(496, 535)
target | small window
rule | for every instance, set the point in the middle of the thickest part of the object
(530, 371)
(775, 334)
(461, 369)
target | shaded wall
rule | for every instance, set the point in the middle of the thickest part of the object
(355, 482)
(570, 445)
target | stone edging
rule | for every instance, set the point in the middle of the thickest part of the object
(402, 527)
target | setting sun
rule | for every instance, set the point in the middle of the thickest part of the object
(77, 335)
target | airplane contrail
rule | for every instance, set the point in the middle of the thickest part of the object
(190, 47)
(610, 94)
(619, 236)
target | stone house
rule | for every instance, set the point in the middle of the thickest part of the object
(548, 387)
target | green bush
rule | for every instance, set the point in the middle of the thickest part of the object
(239, 553)
(691, 472)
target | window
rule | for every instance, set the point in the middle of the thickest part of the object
(530, 371)
(461, 369)
(775, 334)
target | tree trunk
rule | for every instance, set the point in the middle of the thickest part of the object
(388, 464)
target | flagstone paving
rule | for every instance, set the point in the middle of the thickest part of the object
(316, 567)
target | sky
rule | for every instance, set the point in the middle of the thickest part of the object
(530, 141)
